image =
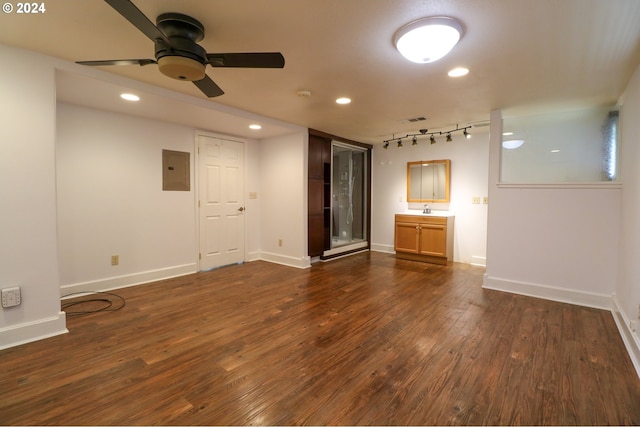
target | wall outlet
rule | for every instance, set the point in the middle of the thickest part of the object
(475, 200)
(115, 259)
(485, 200)
(11, 297)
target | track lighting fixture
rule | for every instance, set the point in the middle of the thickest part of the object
(431, 135)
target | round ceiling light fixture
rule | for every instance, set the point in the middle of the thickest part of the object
(255, 126)
(343, 100)
(428, 39)
(512, 144)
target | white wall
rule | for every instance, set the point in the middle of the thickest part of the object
(555, 242)
(28, 252)
(627, 299)
(469, 174)
(283, 177)
(111, 202)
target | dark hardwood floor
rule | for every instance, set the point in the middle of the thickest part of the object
(363, 340)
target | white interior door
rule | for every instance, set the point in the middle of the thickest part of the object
(221, 201)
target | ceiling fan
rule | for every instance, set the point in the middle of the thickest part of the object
(177, 52)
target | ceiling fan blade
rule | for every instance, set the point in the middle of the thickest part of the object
(138, 19)
(141, 62)
(208, 87)
(248, 60)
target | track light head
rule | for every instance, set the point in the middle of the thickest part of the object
(432, 139)
(414, 140)
(385, 145)
(466, 134)
(399, 142)
(449, 139)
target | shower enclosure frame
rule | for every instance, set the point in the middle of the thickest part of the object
(349, 199)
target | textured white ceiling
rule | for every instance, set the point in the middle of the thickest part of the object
(524, 56)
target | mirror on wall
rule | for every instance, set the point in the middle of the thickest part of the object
(428, 181)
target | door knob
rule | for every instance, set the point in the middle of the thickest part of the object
(241, 208)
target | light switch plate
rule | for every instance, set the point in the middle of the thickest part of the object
(11, 297)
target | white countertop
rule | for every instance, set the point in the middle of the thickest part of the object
(434, 212)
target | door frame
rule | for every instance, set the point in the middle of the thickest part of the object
(196, 179)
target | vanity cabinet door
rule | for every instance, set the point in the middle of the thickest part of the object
(433, 239)
(407, 238)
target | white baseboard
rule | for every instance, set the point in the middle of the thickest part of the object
(389, 249)
(27, 332)
(480, 261)
(127, 280)
(286, 260)
(552, 293)
(629, 336)
(253, 256)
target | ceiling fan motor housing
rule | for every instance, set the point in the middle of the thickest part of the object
(184, 59)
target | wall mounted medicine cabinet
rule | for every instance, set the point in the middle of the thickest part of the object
(428, 181)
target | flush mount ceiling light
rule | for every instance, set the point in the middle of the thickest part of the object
(427, 39)
(343, 100)
(512, 144)
(255, 126)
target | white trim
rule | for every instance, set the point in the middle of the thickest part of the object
(480, 261)
(286, 260)
(130, 279)
(36, 330)
(387, 249)
(629, 336)
(604, 185)
(569, 296)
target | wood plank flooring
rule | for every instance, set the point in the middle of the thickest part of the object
(363, 340)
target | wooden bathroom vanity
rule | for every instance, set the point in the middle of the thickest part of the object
(424, 237)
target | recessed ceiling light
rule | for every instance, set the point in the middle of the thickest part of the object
(343, 100)
(255, 126)
(130, 97)
(428, 39)
(458, 72)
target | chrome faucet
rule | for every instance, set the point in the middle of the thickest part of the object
(427, 209)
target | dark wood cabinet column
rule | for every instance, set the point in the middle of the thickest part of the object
(319, 208)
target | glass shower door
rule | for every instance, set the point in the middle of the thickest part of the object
(348, 198)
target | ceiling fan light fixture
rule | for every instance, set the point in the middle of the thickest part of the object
(181, 68)
(428, 39)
